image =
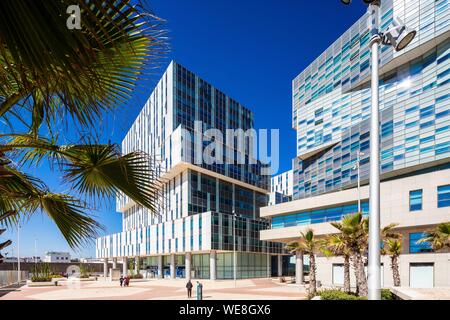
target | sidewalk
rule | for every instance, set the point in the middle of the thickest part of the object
(160, 289)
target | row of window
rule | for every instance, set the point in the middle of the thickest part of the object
(416, 198)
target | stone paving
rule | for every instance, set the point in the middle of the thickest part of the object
(251, 289)
(407, 293)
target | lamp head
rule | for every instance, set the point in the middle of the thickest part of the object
(399, 35)
(346, 2)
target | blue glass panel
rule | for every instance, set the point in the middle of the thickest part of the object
(444, 196)
(415, 200)
(415, 247)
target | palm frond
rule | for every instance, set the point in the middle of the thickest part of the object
(67, 213)
(75, 72)
(96, 170)
(100, 170)
(25, 195)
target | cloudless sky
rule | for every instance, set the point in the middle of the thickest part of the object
(249, 49)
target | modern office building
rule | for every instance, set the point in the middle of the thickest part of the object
(331, 114)
(281, 188)
(192, 233)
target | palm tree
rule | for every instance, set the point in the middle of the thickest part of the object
(310, 245)
(336, 245)
(51, 75)
(439, 238)
(354, 232)
(393, 248)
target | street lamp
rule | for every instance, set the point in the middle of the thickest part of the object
(234, 248)
(18, 255)
(398, 36)
(358, 166)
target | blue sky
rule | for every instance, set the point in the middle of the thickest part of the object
(249, 49)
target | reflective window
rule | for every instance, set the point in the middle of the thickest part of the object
(415, 247)
(415, 200)
(444, 196)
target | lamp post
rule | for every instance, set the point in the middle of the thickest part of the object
(358, 167)
(18, 255)
(234, 249)
(398, 36)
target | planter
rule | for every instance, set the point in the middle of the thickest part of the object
(139, 280)
(42, 283)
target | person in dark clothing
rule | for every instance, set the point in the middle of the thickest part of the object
(121, 281)
(189, 286)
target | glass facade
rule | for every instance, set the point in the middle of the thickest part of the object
(246, 234)
(331, 103)
(207, 193)
(249, 265)
(200, 266)
(443, 196)
(415, 247)
(415, 200)
(317, 216)
(197, 100)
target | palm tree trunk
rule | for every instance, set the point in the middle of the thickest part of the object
(395, 270)
(361, 279)
(355, 268)
(346, 273)
(312, 274)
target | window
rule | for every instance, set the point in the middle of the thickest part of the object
(415, 200)
(443, 196)
(415, 247)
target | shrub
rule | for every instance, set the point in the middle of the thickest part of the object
(335, 294)
(42, 272)
(386, 294)
(136, 276)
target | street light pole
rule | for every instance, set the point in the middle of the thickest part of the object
(358, 168)
(399, 36)
(374, 268)
(18, 255)
(35, 250)
(234, 249)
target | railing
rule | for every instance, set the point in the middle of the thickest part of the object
(9, 277)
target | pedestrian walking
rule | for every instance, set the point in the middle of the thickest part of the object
(189, 286)
(121, 281)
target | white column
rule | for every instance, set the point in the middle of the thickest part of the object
(114, 263)
(212, 265)
(172, 267)
(280, 265)
(125, 266)
(160, 267)
(187, 265)
(105, 268)
(299, 268)
(137, 264)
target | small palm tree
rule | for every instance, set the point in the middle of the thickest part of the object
(354, 232)
(393, 248)
(439, 238)
(336, 245)
(310, 245)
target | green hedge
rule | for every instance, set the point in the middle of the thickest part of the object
(386, 294)
(336, 294)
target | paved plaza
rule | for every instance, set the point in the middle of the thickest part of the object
(251, 289)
